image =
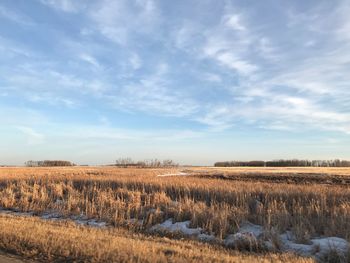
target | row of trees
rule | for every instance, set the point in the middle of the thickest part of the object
(286, 163)
(151, 163)
(48, 163)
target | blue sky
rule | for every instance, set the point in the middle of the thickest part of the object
(193, 81)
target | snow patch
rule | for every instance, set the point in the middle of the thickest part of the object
(317, 247)
(288, 244)
(95, 223)
(246, 237)
(206, 238)
(51, 215)
(248, 227)
(250, 235)
(55, 216)
(182, 227)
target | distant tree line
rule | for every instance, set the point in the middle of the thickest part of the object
(286, 163)
(151, 163)
(48, 163)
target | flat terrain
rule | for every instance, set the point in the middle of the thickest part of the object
(183, 214)
(309, 175)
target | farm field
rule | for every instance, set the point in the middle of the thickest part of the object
(184, 214)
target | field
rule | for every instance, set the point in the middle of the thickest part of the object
(199, 214)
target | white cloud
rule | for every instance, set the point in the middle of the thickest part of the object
(21, 116)
(15, 17)
(240, 65)
(234, 21)
(98, 132)
(90, 59)
(155, 94)
(292, 74)
(33, 137)
(69, 6)
(52, 99)
(233, 49)
(119, 20)
(211, 77)
(135, 61)
(341, 15)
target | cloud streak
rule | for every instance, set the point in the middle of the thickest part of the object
(220, 68)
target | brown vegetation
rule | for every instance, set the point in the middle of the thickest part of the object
(66, 242)
(118, 195)
(286, 163)
(48, 163)
(218, 206)
(151, 163)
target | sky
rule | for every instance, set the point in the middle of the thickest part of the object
(193, 81)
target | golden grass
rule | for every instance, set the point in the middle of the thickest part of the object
(280, 170)
(117, 195)
(66, 242)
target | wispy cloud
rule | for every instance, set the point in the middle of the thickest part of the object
(155, 94)
(120, 20)
(16, 17)
(132, 71)
(89, 59)
(33, 137)
(63, 5)
(234, 21)
(135, 61)
(217, 68)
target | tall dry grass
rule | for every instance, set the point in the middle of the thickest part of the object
(65, 242)
(218, 206)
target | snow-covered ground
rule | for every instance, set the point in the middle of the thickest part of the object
(54, 216)
(182, 228)
(248, 235)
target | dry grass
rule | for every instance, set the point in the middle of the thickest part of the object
(117, 195)
(218, 206)
(292, 175)
(66, 242)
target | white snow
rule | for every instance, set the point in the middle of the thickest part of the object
(327, 244)
(248, 227)
(51, 215)
(240, 239)
(95, 223)
(247, 233)
(54, 216)
(289, 244)
(206, 238)
(182, 227)
(317, 247)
